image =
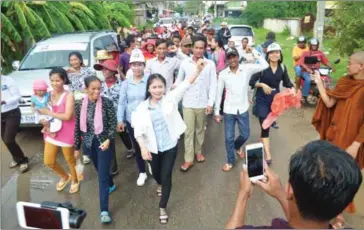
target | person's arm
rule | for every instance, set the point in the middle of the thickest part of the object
(68, 114)
(177, 94)
(13, 92)
(111, 118)
(122, 102)
(286, 81)
(237, 219)
(77, 138)
(260, 65)
(325, 61)
(219, 92)
(328, 101)
(295, 55)
(302, 63)
(212, 87)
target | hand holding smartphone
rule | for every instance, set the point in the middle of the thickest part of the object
(255, 161)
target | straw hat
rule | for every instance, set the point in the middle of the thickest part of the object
(103, 55)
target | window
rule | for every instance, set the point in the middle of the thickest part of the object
(104, 43)
(241, 31)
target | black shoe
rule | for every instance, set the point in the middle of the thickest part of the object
(275, 125)
(130, 154)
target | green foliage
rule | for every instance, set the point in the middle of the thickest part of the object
(286, 32)
(257, 11)
(192, 7)
(25, 22)
(349, 27)
(179, 9)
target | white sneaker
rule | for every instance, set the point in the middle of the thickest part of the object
(150, 169)
(141, 179)
(86, 160)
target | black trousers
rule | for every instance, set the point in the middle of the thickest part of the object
(162, 167)
(10, 122)
(125, 138)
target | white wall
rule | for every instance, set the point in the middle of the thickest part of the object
(278, 25)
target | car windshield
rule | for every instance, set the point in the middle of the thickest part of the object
(241, 31)
(52, 55)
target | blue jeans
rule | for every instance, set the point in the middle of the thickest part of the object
(307, 84)
(101, 160)
(232, 144)
(298, 70)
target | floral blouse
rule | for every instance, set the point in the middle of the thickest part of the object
(113, 92)
(108, 118)
(77, 80)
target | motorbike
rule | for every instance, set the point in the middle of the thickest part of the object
(325, 73)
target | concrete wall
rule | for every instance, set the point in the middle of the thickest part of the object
(278, 25)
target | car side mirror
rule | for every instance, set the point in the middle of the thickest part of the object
(337, 61)
(16, 65)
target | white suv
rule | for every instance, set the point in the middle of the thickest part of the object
(53, 52)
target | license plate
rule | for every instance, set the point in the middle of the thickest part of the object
(27, 119)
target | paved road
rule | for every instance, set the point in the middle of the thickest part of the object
(202, 198)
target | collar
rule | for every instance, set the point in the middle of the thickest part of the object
(158, 103)
(240, 69)
(144, 79)
(166, 60)
(190, 59)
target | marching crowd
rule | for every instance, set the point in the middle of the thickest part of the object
(165, 83)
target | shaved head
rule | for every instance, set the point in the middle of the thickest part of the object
(358, 57)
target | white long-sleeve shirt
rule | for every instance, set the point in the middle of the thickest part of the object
(9, 93)
(237, 86)
(203, 92)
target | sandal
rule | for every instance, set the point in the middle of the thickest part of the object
(159, 191)
(227, 167)
(186, 166)
(163, 217)
(13, 164)
(24, 167)
(240, 153)
(74, 187)
(200, 158)
(62, 184)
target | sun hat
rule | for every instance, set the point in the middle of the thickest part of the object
(136, 56)
(109, 64)
(40, 85)
(103, 55)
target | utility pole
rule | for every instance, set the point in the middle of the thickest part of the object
(320, 22)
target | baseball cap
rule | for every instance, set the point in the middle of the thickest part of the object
(232, 51)
(137, 56)
(109, 64)
(274, 47)
(186, 41)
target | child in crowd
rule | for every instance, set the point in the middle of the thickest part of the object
(40, 99)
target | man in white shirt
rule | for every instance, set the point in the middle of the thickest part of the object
(245, 52)
(235, 79)
(10, 121)
(185, 50)
(197, 102)
(163, 65)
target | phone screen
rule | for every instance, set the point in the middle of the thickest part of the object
(255, 162)
(42, 218)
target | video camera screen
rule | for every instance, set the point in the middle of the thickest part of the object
(42, 218)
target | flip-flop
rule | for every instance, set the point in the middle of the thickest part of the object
(62, 184)
(200, 158)
(186, 166)
(75, 187)
(227, 167)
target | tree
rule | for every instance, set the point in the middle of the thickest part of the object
(192, 7)
(349, 28)
(179, 9)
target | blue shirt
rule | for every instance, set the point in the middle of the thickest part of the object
(40, 102)
(164, 141)
(131, 95)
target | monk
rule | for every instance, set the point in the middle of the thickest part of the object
(339, 116)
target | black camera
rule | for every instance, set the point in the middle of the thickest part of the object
(76, 216)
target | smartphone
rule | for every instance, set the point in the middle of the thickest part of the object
(34, 216)
(255, 161)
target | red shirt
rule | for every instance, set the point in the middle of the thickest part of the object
(320, 56)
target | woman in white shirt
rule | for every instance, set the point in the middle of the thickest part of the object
(157, 128)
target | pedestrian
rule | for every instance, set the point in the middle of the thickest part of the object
(235, 78)
(197, 101)
(267, 84)
(270, 38)
(322, 181)
(10, 121)
(163, 65)
(224, 33)
(149, 50)
(40, 99)
(218, 54)
(297, 52)
(110, 88)
(245, 52)
(157, 130)
(185, 49)
(95, 123)
(130, 43)
(132, 93)
(62, 108)
(77, 72)
(339, 116)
